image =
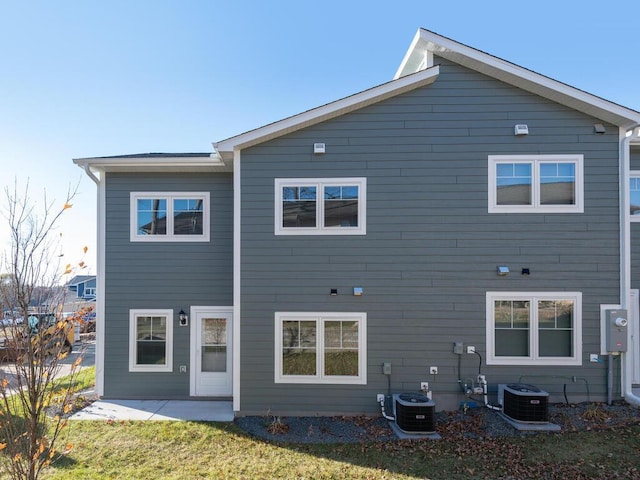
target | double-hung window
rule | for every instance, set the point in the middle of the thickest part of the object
(320, 347)
(534, 328)
(150, 340)
(536, 184)
(170, 217)
(311, 206)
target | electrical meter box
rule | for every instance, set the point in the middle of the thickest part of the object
(616, 330)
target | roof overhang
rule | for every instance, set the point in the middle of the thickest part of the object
(326, 112)
(426, 44)
(146, 162)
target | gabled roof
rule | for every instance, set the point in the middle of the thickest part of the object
(426, 44)
(331, 110)
(81, 279)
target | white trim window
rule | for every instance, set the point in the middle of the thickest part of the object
(536, 184)
(312, 206)
(534, 328)
(151, 340)
(634, 196)
(321, 347)
(170, 216)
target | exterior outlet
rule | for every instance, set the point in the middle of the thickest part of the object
(380, 397)
(183, 369)
(424, 386)
(471, 349)
(433, 370)
(594, 358)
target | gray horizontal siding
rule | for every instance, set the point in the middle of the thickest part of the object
(431, 248)
(161, 275)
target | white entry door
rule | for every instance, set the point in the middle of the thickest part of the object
(211, 359)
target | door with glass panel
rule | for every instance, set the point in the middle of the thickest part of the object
(211, 358)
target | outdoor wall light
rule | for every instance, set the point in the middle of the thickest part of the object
(184, 319)
(502, 270)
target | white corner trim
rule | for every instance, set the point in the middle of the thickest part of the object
(100, 286)
(237, 319)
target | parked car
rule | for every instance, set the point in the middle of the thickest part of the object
(46, 326)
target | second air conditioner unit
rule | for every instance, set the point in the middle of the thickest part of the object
(524, 403)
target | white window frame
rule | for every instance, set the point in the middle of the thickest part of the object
(320, 318)
(535, 161)
(320, 183)
(170, 197)
(533, 358)
(633, 174)
(133, 315)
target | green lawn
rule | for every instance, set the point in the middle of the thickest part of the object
(185, 450)
(192, 450)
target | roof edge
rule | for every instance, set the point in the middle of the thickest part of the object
(152, 160)
(427, 43)
(328, 111)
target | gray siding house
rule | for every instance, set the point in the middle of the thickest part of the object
(468, 218)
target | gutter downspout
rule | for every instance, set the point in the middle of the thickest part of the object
(100, 300)
(90, 174)
(626, 363)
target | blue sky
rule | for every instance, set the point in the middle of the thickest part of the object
(86, 78)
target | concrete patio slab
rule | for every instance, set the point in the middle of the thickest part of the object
(186, 410)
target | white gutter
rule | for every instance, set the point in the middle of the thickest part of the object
(90, 174)
(626, 364)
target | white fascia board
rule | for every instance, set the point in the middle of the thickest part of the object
(147, 163)
(411, 61)
(430, 42)
(328, 111)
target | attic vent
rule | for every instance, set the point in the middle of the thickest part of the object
(524, 403)
(414, 413)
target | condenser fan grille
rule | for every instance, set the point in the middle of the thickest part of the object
(414, 413)
(525, 403)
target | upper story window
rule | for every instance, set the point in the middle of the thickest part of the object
(170, 217)
(634, 196)
(536, 184)
(534, 328)
(311, 206)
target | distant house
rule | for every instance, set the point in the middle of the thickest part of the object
(84, 286)
(468, 218)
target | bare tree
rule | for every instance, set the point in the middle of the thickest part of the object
(37, 337)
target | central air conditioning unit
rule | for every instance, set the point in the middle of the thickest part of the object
(414, 413)
(524, 403)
